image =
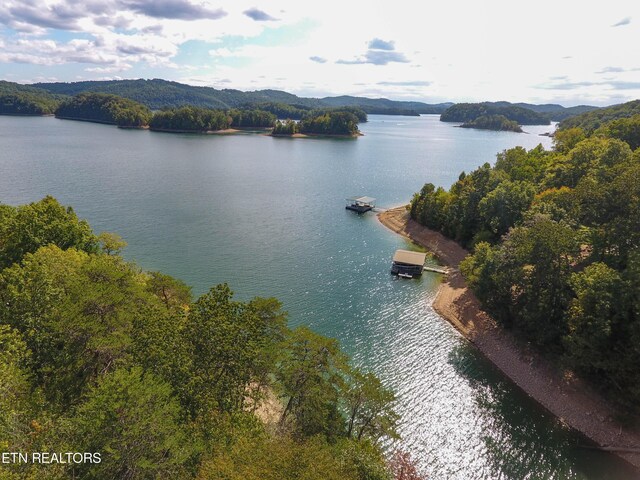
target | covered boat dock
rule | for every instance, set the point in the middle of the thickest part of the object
(361, 204)
(407, 263)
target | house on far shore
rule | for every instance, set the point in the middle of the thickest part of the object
(407, 263)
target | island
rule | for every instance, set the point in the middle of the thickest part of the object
(493, 122)
(336, 122)
(468, 112)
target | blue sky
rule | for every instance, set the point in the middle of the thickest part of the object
(547, 51)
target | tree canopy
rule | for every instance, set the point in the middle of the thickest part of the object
(592, 120)
(97, 355)
(105, 108)
(556, 245)
(468, 112)
(190, 119)
(493, 122)
(16, 99)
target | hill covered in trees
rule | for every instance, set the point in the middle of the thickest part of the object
(105, 108)
(111, 109)
(493, 122)
(158, 94)
(468, 112)
(195, 119)
(323, 122)
(335, 122)
(190, 119)
(99, 356)
(592, 120)
(556, 246)
(553, 111)
(384, 106)
(16, 99)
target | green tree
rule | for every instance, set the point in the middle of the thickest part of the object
(493, 122)
(227, 340)
(25, 229)
(15, 391)
(566, 140)
(591, 156)
(591, 315)
(525, 281)
(288, 127)
(369, 407)
(310, 375)
(504, 206)
(190, 119)
(132, 419)
(627, 345)
(104, 108)
(111, 243)
(610, 208)
(172, 292)
(76, 312)
(260, 457)
(522, 165)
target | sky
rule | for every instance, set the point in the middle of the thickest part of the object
(559, 51)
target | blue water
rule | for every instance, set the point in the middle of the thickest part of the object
(267, 216)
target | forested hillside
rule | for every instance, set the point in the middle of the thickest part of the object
(99, 356)
(468, 112)
(590, 121)
(553, 111)
(162, 94)
(105, 108)
(16, 99)
(111, 109)
(556, 245)
(158, 94)
(493, 122)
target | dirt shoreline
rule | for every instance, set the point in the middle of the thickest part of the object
(565, 396)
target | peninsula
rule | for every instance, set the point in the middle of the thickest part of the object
(563, 394)
(548, 287)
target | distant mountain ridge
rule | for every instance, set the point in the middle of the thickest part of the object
(158, 94)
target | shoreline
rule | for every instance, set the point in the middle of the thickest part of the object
(313, 135)
(568, 398)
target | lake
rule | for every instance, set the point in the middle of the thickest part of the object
(267, 216)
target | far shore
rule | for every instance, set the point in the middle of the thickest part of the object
(567, 397)
(226, 131)
(27, 114)
(314, 135)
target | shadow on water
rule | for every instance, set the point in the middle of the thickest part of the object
(522, 437)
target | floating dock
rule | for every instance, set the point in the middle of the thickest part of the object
(361, 204)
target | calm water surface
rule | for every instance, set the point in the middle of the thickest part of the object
(267, 216)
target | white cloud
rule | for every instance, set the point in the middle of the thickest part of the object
(434, 51)
(624, 21)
